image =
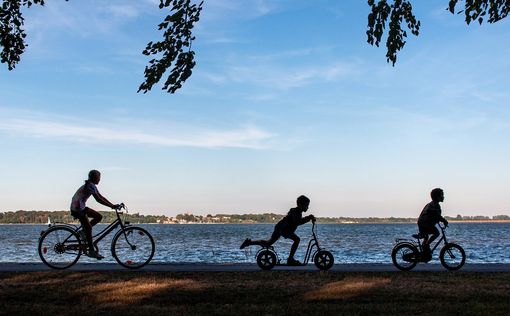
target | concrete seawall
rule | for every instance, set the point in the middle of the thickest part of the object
(200, 267)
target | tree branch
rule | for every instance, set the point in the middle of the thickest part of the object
(175, 48)
(399, 12)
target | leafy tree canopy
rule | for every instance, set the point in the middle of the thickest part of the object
(173, 56)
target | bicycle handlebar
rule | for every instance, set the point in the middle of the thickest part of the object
(120, 207)
(442, 226)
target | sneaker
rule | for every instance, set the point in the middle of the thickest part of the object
(426, 256)
(245, 243)
(293, 262)
(94, 254)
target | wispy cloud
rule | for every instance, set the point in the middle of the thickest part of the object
(460, 121)
(218, 13)
(286, 54)
(279, 77)
(57, 20)
(124, 11)
(221, 9)
(72, 129)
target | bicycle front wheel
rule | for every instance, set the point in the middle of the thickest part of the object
(133, 247)
(452, 256)
(59, 247)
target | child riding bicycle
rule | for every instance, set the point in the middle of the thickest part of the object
(82, 212)
(429, 218)
(286, 228)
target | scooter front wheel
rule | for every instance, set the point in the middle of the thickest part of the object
(266, 259)
(323, 260)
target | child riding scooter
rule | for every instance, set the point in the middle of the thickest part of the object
(286, 228)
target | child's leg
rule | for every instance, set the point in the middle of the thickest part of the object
(295, 245)
(87, 228)
(264, 243)
(435, 234)
(96, 217)
(426, 241)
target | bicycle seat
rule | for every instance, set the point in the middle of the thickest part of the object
(419, 236)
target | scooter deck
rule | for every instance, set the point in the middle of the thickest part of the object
(291, 265)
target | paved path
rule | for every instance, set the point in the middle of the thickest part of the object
(240, 267)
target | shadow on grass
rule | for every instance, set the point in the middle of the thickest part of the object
(276, 292)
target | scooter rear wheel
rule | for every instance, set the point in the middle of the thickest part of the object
(266, 259)
(324, 260)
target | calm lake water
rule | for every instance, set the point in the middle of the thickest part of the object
(349, 243)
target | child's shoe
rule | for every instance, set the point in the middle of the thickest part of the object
(293, 262)
(245, 243)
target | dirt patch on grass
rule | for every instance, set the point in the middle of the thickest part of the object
(347, 288)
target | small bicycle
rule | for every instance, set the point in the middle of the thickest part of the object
(407, 253)
(267, 257)
(60, 246)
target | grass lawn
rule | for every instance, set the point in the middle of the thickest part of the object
(254, 293)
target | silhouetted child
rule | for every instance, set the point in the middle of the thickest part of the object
(286, 228)
(82, 212)
(429, 218)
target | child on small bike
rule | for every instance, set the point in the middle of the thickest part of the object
(286, 227)
(82, 212)
(429, 218)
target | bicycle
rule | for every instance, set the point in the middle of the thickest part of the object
(407, 253)
(60, 246)
(267, 257)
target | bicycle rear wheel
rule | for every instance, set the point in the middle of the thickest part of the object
(404, 256)
(133, 247)
(59, 247)
(452, 256)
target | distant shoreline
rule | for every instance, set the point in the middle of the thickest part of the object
(41, 217)
(346, 223)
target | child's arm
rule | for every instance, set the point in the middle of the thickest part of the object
(439, 217)
(306, 219)
(102, 200)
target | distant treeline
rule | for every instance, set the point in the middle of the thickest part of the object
(41, 217)
(274, 218)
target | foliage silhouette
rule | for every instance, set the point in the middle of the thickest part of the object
(173, 52)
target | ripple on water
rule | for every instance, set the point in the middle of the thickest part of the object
(483, 242)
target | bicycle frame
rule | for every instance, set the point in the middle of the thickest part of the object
(419, 243)
(443, 238)
(103, 233)
(108, 229)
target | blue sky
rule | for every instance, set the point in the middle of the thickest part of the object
(287, 98)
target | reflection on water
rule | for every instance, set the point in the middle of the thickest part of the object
(363, 243)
